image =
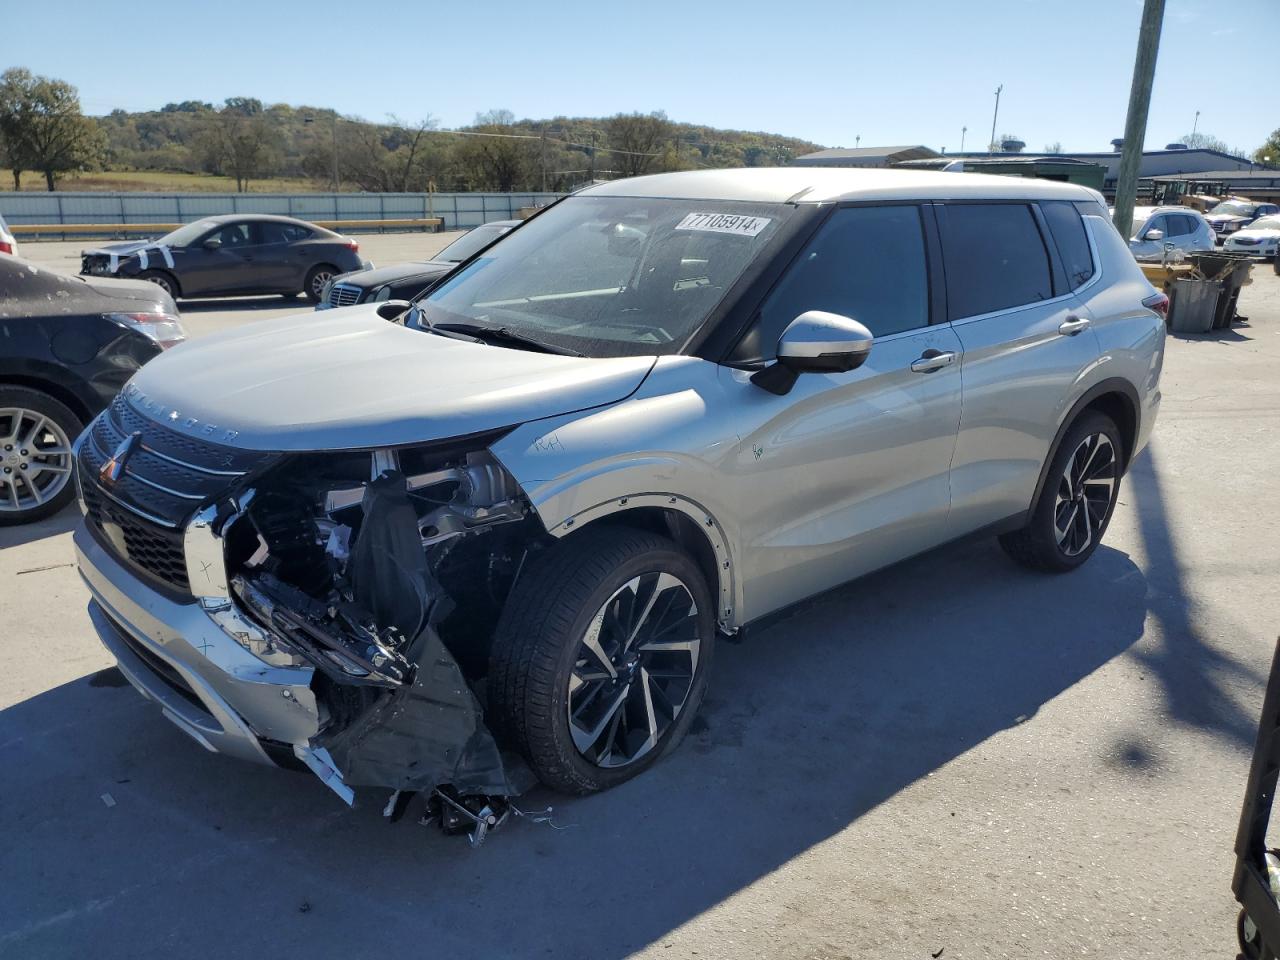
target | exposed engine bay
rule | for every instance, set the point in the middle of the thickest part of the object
(386, 571)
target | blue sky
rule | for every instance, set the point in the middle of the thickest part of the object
(892, 71)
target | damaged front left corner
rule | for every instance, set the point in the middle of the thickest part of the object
(384, 572)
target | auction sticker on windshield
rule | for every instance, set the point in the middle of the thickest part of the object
(734, 223)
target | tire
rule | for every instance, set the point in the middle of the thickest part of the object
(540, 668)
(317, 277)
(165, 281)
(1042, 543)
(32, 421)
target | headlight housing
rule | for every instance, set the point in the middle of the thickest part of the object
(164, 328)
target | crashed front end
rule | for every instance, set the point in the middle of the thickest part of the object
(333, 608)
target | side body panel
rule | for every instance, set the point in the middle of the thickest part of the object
(846, 474)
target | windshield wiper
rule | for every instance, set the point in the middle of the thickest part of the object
(504, 336)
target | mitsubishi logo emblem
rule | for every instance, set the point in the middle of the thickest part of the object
(111, 471)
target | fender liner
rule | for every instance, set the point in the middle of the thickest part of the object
(1110, 385)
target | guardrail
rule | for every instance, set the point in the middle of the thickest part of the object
(49, 231)
(153, 210)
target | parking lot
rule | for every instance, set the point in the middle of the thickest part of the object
(952, 758)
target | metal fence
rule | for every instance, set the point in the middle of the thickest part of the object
(457, 210)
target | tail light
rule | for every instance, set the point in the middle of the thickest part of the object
(1159, 303)
(353, 246)
(165, 329)
(6, 246)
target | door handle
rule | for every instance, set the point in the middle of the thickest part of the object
(1073, 325)
(932, 360)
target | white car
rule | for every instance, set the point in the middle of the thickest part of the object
(1155, 227)
(7, 243)
(1260, 239)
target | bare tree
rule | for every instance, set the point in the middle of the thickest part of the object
(1055, 147)
(1204, 141)
(637, 140)
(414, 134)
(494, 155)
(239, 141)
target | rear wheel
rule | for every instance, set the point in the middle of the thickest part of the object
(36, 432)
(1075, 505)
(162, 280)
(317, 277)
(601, 657)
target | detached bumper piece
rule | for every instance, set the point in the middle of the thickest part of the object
(1256, 883)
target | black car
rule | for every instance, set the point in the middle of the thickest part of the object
(404, 281)
(69, 345)
(232, 255)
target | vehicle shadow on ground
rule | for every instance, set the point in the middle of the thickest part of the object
(61, 522)
(147, 843)
(273, 302)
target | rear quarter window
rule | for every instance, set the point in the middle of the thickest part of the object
(995, 258)
(1073, 245)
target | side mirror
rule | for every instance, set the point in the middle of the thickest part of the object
(815, 342)
(213, 243)
(393, 309)
(1153, 235)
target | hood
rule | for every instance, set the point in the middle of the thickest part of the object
(347, 379)
(376, 277)
(119, 249)
(134, 294)
(1225, 218)
(1257, 233)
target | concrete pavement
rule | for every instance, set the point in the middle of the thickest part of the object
(953, 754)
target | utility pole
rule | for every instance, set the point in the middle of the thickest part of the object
(544, 158)
(335, 151)
(991, 144)
(1135, 125)
(1195, 126)
(963, 131)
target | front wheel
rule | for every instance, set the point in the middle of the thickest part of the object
(36, 432)
(601, 657)
(1068, 520)
(162, 280)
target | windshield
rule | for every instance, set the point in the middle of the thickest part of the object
(188, 233)
(610, 276)
(471, 242)
(1234, 208)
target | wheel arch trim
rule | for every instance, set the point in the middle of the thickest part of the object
(1112, 385)
(727, 587)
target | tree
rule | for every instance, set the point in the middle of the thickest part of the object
(636, 140)
(238, 141)
(494, 156)
(1269, 152)
(43, 127)
(1204, 141)
(1055, 147)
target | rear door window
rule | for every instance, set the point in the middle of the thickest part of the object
(867, 263)
(995, 257)
(1073, 245)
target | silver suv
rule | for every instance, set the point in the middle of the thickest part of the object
(497, 532)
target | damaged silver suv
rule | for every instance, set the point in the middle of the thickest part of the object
(495, 533)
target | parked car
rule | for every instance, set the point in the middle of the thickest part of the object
(1236, 214)
(233, 255)
(1157, 227)
(69, 345)
(7, 243)
(404, 281)
(1261, 238)
(520, 515)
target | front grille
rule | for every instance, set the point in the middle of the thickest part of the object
(168, 477)
(1246, 241)
(344, 295)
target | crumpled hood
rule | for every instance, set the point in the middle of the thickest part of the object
(119, 249)
(347, 379)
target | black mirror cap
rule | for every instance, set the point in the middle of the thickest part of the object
(779, 377)
(393, 309)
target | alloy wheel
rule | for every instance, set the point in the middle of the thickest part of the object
(1085, 491)
(35, 459)
(635, 667)
(318, 281)
(162, 282)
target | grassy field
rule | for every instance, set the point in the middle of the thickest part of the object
(157, 181)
